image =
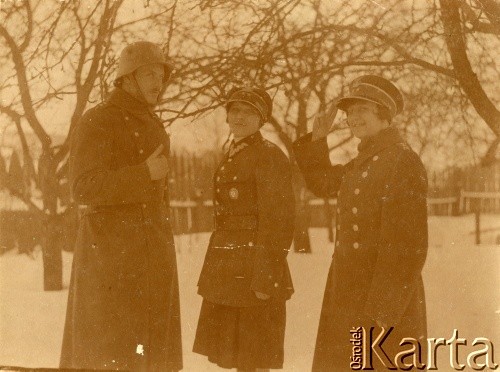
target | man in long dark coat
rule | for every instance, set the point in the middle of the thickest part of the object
(381, 234)
(123, 306)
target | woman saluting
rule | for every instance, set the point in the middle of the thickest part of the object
(245, 281)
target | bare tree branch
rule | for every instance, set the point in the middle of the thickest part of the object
(466, 76)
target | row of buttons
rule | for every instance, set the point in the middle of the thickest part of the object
(136, 134)
(222, 169)
(354, 209)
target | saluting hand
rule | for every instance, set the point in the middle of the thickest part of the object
(323, 122)
(157, 164)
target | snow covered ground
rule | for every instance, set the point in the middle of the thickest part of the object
(461, 280)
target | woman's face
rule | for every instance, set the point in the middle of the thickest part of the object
(363, 119)
(243, 120)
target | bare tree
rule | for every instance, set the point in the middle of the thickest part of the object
(306, 50)
(464, 22)
(60, 52)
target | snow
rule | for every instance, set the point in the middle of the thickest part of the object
(461, 281)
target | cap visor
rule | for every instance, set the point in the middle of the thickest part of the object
(248, 103)
(345, 102)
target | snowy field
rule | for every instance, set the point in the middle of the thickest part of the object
(462, 288)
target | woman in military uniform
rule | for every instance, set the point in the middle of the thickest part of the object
(381, 234)
(245, 280)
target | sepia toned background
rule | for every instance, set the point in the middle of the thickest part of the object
(58, 58)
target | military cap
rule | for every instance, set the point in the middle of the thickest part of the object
(373, 88)
(255, 97)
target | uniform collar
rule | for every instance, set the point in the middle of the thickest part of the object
(237, 147)
(126, 101)
(250, 139)
(370, 146)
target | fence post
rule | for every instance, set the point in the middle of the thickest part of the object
(461, 209)
(197, 213)
(477, 214)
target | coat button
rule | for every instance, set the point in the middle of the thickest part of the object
(338, 210)
(354, 210)
(364, 174)
(355, 227)
(218, 190)
(230, 160)
(235, 178)
(356, 245)
(218, 178)
(144, 206)
(222, 168)
(141, 151)
(136, 134)
(250, 244)
(234, 193)
(127, 118)
(375, 158)
(276, 285)
(356, 191)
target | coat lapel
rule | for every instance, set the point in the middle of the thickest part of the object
(372, 146)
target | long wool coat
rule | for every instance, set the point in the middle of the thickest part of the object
(123, 305)
(381, 244)
(254, 221)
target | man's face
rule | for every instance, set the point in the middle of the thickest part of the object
(150, 81)
(243, 120)
(363, 119)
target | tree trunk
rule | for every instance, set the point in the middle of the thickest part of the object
(52, 255)
(52, 231)
(467, 78)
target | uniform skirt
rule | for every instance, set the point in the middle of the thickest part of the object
(242, 337)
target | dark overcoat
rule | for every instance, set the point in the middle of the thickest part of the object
(123, 304)
(254, 222)
(381, 243)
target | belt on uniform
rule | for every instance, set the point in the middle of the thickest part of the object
(244, 222)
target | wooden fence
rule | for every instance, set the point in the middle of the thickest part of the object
(191, 177)
(465, 190)
(451, 192)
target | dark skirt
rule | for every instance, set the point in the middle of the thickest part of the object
(242, 337)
